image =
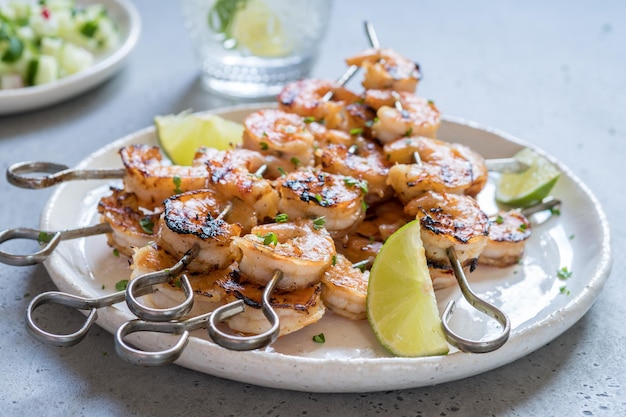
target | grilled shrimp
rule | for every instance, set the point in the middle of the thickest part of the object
(284, 136)
(313, 193)
(195, 218)
(300, 249)
(296, 309)
(344, 289)
(380, 222)
(131, 227)
(363, 161)
(151, 258)
(386, 69)
(443, 167)
(152, 179)
(508, 233)
(450, 220)
(402, 114)
(233, 175)
(306, 98)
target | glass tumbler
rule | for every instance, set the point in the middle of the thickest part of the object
(252, 48)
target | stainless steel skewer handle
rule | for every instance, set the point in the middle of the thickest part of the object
(76, 302)
(209, 321)
(465, 344)
(50, 240)
(54, 174)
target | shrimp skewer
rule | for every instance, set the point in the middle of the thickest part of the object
(281, 136)
(450, 220)
(197, 218)
(438, 166)
(300, 249)
(385, 69)
(295, 309)
(130, 227)
(152, 180)
(314, 193)
(508, 233)
(344, 289)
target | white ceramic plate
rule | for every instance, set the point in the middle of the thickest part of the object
(124, 13)
(351, 360)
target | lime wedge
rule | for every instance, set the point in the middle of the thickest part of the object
(257, 28)
(401, 305)
(529, 187)
(180, 135)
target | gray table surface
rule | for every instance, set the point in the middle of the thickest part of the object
(553, 73)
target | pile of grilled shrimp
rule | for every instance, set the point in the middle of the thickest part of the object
(314, 190)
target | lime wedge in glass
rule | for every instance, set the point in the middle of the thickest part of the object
(529, 187)
(401, 305)
(258, 29)
(180, 135)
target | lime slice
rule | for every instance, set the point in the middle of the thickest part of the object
(401, 304)
(180, 135)
(531, 186)
(257, 28)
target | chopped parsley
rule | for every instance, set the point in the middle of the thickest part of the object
(319, 222)
(177, 184)
(147, 225)
(44, 237)
(499, 219)
(564, 290)
(334, 260)
(319, 338)
(281, 218)
(356, 131)
(121, 285)
(409, 132)
(116, 253)
(282, 172)
(308, 119)
(362, 184)
(564, 273)
(522, 227)
(364, 205)
(269, 239)
(555, 211)
(361, 265)
(264, 146)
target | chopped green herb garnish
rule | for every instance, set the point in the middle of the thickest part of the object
(295, 161)
(102, 286)
(499, 219)
(177, 184)
(264, 146)
(555, 211)
(319, 198)
(356, 131)
(282, 172)
(116, 252)
(281, 218)
(361, 265)
(409, 132)
(269, 239)
(522, 227)
(147, 225)
(431, 102)
(319, 338)
(362, 184)
(364, 205)
(564, 273)
(571, 237)
(564, 290)
(319, 222)
(44, 237)
(178, 283)
(308, 119)
(89, 28)
(334, 260)
(121, 285)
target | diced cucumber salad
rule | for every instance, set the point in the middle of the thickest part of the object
(45, 41)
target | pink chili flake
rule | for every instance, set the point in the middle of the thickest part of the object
(45, 12)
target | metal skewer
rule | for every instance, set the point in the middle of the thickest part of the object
(57, 173)
(209, 321)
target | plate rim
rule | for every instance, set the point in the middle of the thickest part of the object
(36, 97)
(554, 323)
